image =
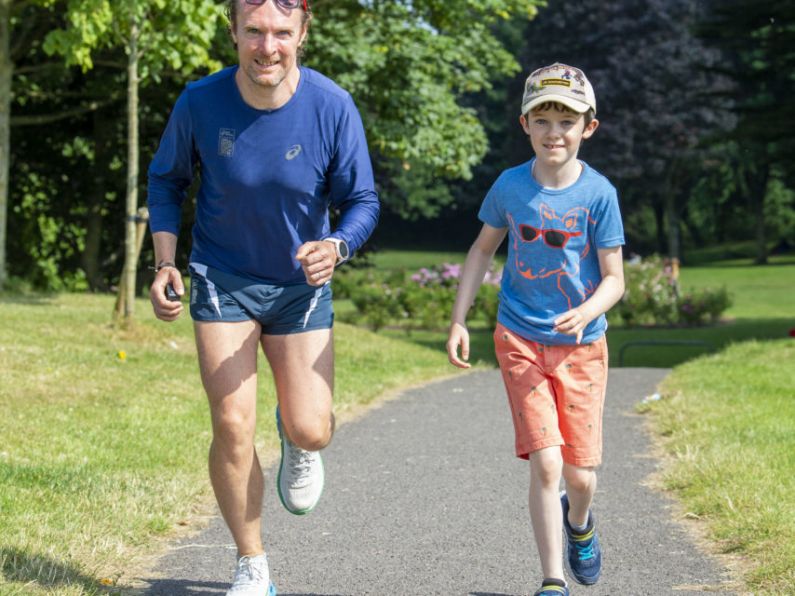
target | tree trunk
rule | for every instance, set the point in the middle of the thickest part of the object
(757, 187)
(659, 220)
(104, 129)
(6, 72)
(695, 233)
(141, 225)
(672, 216)
(130, 256)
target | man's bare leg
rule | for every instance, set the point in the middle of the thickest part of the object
(303, 371)
(228, 364)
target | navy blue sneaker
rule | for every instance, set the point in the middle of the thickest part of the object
(553, 587)
(584, 556)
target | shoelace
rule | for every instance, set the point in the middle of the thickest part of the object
(299, 460)
(248, 573)
(584, 551)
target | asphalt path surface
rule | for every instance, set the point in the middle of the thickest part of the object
(424, 496)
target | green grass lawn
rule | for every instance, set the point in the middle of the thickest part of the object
(757, 291)
(727, 422)
(105, 434)
(414, 259)
(730, 254)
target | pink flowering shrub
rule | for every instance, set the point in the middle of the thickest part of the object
(420, 300)
(653, 297)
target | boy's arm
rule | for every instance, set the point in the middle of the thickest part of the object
(609, 291)
(477, 263)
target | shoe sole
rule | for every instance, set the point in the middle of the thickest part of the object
(279, 477)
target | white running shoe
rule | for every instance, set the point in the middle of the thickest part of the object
(252, 578)
(301, 475)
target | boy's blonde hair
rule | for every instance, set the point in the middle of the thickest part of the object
(559, 107)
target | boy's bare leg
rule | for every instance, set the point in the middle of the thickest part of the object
(545, 512)
(580, 487)
(303, 370)
(228, 365)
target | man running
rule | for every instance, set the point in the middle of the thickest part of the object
(276, 145)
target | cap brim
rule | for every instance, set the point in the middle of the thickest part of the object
(578, 106)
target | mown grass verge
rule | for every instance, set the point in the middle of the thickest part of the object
(727, 421)
(105, 433)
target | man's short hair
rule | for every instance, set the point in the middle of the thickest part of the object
(231, 13)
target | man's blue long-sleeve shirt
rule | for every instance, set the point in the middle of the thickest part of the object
(268, 177)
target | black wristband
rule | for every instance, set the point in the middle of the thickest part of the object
(163, 265)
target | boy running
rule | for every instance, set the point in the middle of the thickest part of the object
(564, 271)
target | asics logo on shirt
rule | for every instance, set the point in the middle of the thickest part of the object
(293, 152)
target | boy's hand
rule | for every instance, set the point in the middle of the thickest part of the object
(458, 336)
(571, 322)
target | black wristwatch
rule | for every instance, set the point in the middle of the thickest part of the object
(341, 247)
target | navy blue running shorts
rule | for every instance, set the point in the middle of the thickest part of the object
(280, 309)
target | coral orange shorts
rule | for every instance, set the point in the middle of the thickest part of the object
(556, 394)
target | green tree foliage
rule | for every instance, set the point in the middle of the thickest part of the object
(154, 34)
(17, 36)
(758, 40)
(172, 34)
(409, 65)
(657, 102)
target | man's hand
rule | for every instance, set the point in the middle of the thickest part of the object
(318, 260)
(165, 309)
(459, 335)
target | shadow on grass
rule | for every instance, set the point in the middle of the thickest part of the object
(741, 263)
(25, 568)
(27, 299)
(715, 337)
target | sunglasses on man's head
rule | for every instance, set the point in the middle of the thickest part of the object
(553, 238)
(283, 3)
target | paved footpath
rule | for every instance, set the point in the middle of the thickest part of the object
(424, 496)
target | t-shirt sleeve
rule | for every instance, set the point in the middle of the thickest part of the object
(608, 228)
(351, 182)
(171, 170)
(491, 211)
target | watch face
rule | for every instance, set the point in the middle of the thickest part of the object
(342, 249)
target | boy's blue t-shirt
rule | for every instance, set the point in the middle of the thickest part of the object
(553, 237)
(268, 177)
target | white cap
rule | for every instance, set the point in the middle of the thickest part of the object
(563, 84)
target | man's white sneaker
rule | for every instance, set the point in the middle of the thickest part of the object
(252, 578)
(301, 475)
